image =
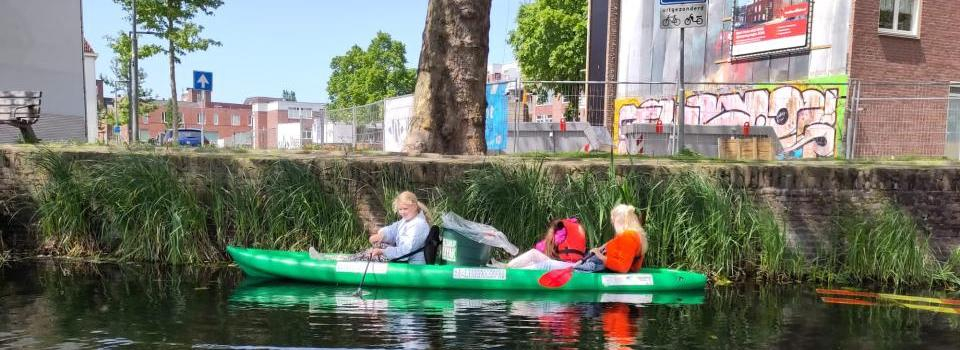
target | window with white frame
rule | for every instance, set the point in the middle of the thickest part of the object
(299, 113)
(307, 134)
(216, 119)
(200, 118)
(235, 120)
(250, 121)
(544, 118)
(900, 17)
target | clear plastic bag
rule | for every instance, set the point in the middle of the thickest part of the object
(484, 234)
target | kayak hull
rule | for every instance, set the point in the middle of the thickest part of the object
(276, 264)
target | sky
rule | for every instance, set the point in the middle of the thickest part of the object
(269, 46)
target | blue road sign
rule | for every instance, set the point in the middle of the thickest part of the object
(116, 129)
(679, 2)
(202, 80)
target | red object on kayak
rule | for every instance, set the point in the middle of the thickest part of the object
(556, 278)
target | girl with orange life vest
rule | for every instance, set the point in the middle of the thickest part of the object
(624, 252)
(563, 245)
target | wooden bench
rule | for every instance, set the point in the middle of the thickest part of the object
(21, 109)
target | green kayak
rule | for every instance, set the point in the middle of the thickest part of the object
(277, 264)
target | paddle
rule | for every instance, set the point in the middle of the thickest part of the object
(559, 277)
(889, 296)
(848, 301)
(556, 278)
(359, 292)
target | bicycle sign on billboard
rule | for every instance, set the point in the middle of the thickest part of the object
(683, 16)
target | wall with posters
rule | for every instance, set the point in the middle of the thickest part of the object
(650, 54)
(765, 27)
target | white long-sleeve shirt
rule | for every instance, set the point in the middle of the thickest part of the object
(405, 236)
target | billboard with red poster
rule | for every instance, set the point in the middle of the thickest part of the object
(768, 27)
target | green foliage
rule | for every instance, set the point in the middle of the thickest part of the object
(550, 39)
(289, 95)
(120, 67)
(365, 76)
(291, 207)
(64, 217)
(172, 19)
(885, 246)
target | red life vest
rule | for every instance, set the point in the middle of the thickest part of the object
(574, 247)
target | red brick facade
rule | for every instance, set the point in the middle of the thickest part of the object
(905, 118)
(222, 120)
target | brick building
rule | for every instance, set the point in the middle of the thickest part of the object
(834, 78)
(218, 120)
(286, 124)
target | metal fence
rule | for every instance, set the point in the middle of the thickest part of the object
(360, 127)
(821, 118)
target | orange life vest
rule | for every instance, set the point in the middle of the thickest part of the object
(574, 246)
(624, 252)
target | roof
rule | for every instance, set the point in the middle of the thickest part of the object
(86, 47)
(260, 99)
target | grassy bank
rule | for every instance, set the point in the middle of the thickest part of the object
(137, 207)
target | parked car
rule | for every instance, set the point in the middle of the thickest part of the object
(187, 137)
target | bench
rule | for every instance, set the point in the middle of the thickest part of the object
(21, 109)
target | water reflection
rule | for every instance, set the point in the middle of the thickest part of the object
(417, 318)
(66, 305)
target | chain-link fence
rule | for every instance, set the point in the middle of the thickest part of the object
(904, 120)
(359, 127)
(819, 118)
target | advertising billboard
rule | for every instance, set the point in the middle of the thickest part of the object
(769, 27)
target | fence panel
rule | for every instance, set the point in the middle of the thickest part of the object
(901, 120)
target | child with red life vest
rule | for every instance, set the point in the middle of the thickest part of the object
(624, 252)
(564, 244)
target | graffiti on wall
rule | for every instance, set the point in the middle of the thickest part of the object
(805, 117)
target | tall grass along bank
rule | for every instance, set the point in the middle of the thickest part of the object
(141, 208)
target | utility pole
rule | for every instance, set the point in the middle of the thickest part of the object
(132, 125)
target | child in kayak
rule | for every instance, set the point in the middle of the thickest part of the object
(563, 245)
(624, 252)
(403, 237)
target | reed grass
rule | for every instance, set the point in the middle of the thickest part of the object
(884, 246)
(291, 207)
(692, 221)
(64, 218)
(150, 212)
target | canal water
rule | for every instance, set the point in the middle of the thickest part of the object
(56, 304)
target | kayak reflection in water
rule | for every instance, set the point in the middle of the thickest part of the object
(561, 321)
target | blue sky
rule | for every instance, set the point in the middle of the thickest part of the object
(273, 45)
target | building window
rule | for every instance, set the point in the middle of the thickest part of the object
(900, 17)
(544, 118)
(146, 119)
(216, 119)
(163, 116)
(250, 121)
(307, 134)
(200, 119)
(235, 120)
(299, 113)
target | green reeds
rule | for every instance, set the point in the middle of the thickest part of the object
(884, 246)
(64, 217)
(150, 212)
(696, 223)
(293, 206)
(692, 221)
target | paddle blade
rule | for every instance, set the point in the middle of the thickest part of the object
(556, 278)
(846, 301)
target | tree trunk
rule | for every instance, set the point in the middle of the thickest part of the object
(173, 85)
(450, 98)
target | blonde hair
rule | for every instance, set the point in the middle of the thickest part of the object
(625, 218)
(410, 198)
